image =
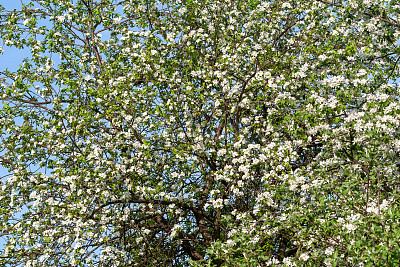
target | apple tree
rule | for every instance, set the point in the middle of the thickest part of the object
(210, 133)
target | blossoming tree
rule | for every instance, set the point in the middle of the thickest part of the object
(211, 133)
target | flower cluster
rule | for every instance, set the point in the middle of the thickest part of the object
(201, 132)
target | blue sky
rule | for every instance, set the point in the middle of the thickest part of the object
(10, 59)
(12, 56)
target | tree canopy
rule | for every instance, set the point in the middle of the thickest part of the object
(204, 133)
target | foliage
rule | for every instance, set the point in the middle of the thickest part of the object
(211, 133)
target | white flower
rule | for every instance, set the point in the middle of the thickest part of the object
(335, 81)
(350, 227)
(304, 257)
(322, 57)
(33, 195)
(230, 242)
(232, 232)
(329, 251)
(182, 10)
(372, 209)
(384, 205)
(170, 36)
(286, 5)
(175, 230)
(218, 203)
(361, 72)
(142, 8)
(221, 152)
(288, 262)
(146, 231)
(61, 18)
